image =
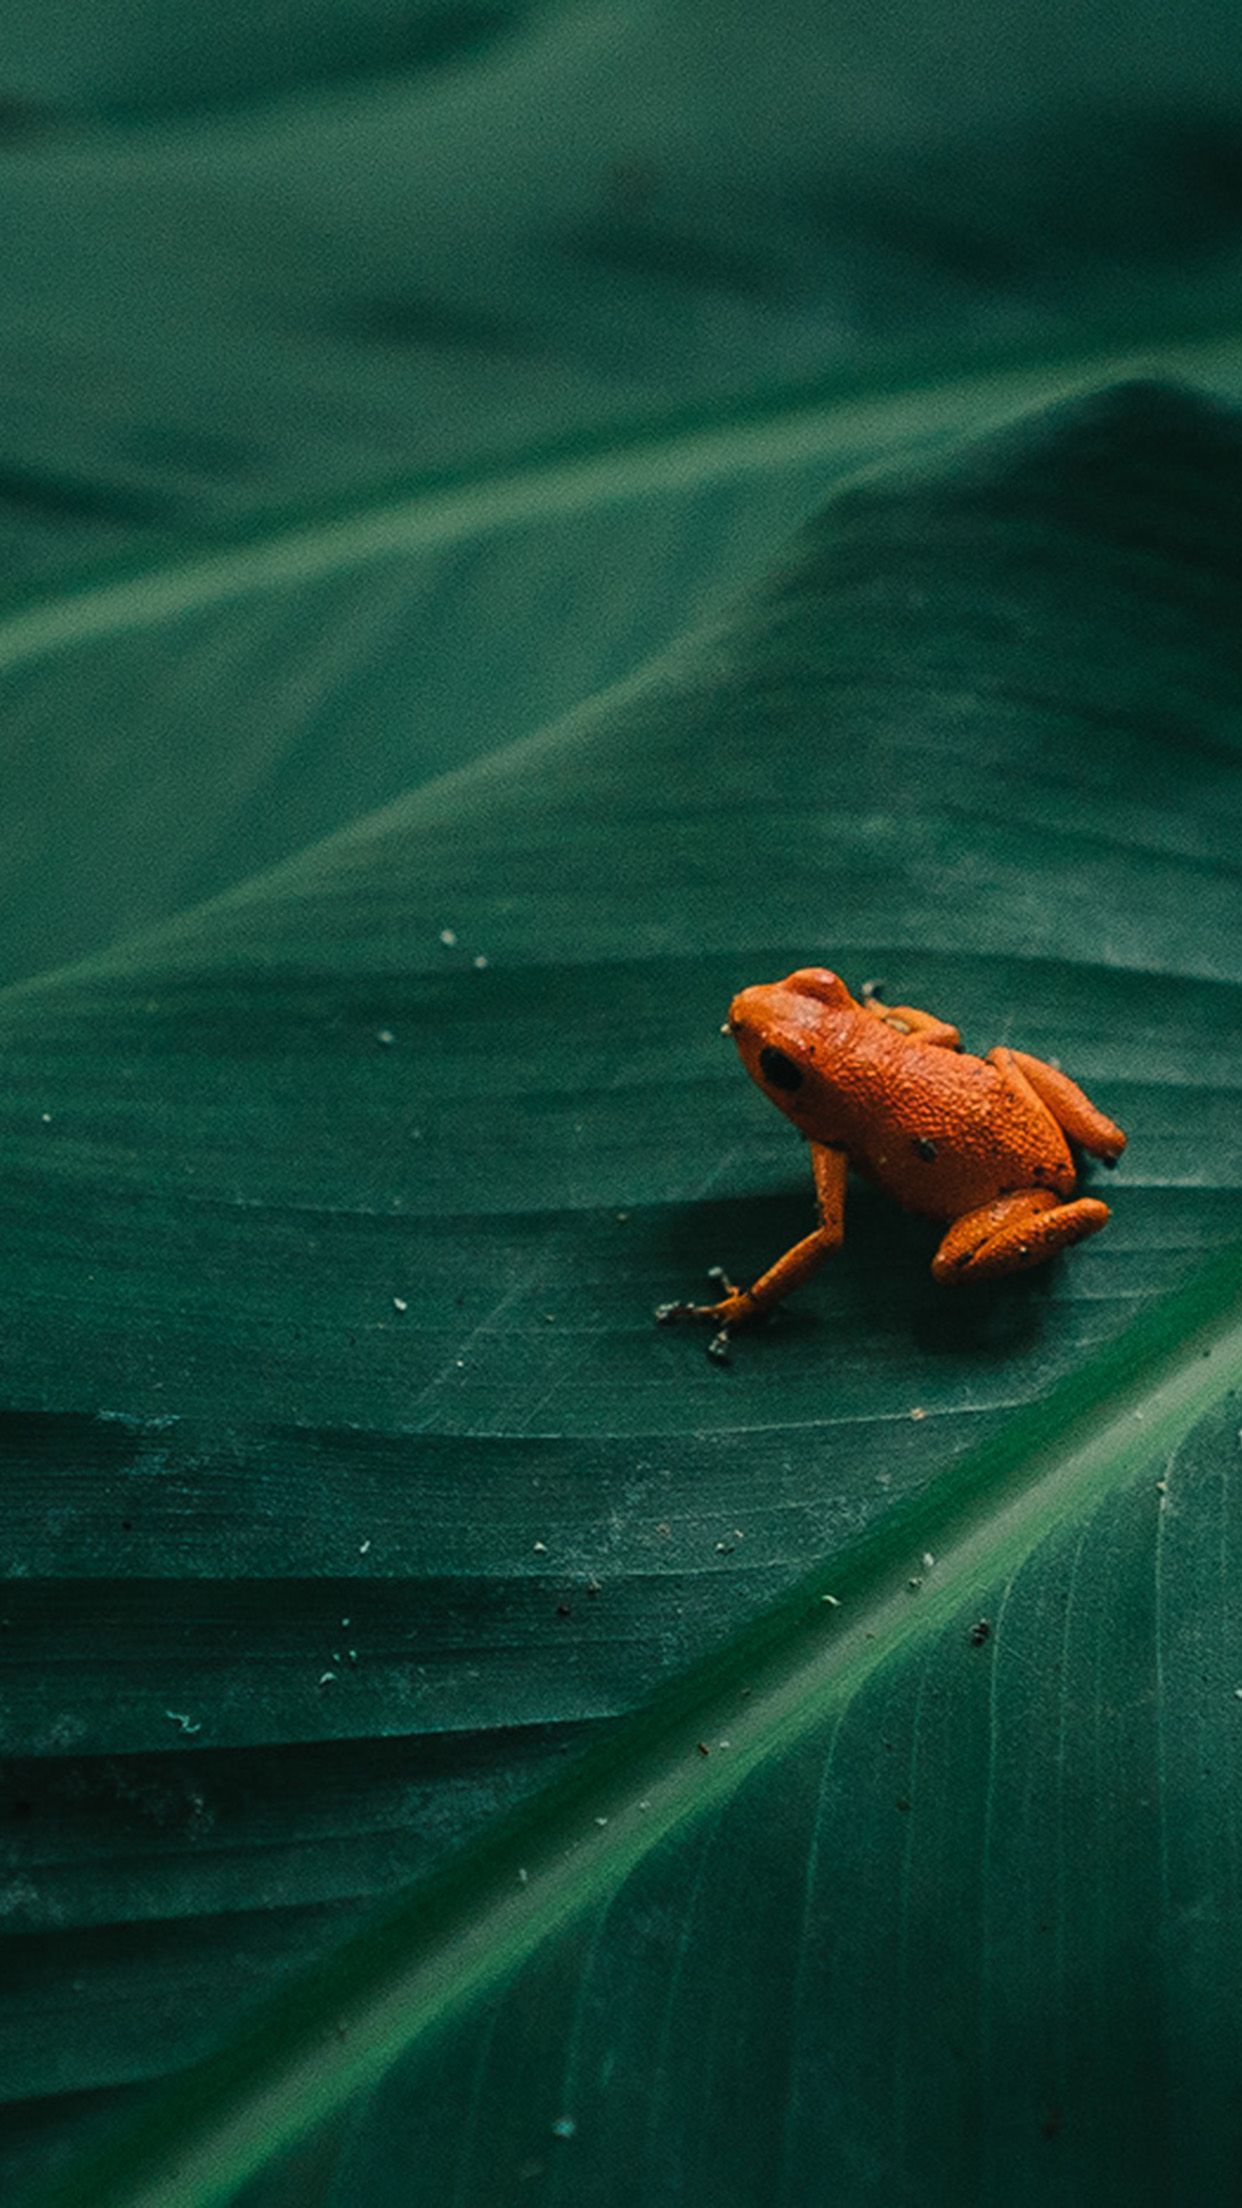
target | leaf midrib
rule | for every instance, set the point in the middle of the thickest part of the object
(807, 425)
(473, 1921)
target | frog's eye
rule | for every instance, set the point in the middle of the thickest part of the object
(778, 1069)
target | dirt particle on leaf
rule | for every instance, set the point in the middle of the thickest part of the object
(448, 936)
(980, 1632)
(385, 1035)
(917, 1413)
(703, 1748)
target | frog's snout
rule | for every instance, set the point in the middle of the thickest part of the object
(745, 1014)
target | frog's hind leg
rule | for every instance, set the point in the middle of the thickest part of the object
(1014, 1232)
(1073, 1112)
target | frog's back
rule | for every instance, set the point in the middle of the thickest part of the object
(943, 1131)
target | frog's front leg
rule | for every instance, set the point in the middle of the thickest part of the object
(1073, 1112)
(1014, 1232)
(906, 1019)
(741, 1306)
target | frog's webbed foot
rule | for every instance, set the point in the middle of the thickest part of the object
(734, 1307)
(1013, 1233)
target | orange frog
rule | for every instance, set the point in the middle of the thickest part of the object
(983, 1143)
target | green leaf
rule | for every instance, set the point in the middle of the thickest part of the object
(239, 705)
(279, 257)
(978, 734)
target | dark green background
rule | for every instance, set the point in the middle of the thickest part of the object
(734, 493)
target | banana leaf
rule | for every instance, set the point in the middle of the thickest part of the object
(342, 1201)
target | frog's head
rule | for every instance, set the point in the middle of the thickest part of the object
(788, 1039)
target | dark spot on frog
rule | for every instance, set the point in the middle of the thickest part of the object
(925, 1148)
(778, 1069)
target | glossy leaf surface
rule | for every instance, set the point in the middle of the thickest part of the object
(976, 734)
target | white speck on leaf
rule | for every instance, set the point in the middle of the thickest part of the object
(399, 1303)
(564, 2127)
(448, 936)
(187, 1724)
(385, 1035)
